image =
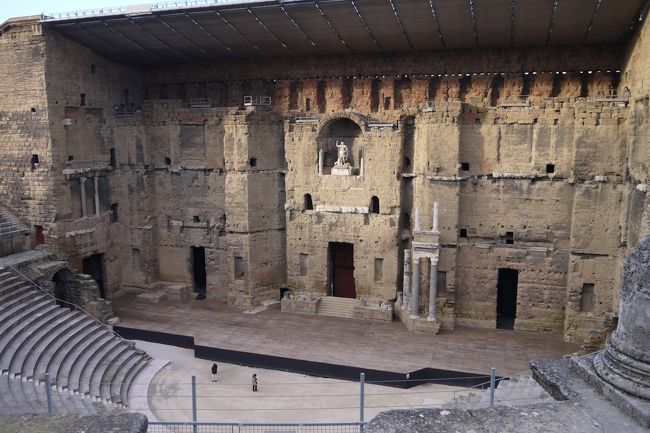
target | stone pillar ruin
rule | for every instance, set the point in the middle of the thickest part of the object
(82, 181)
(435, 223)
(433, 289)
(320, 162)
(406, 288)
(96, 196)
(415, 296)
(625, 362)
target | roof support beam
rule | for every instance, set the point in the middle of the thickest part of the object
(142, 29)
(435, 20)
(314, 44)
(240, 34)
(182, 36)
(593, 18)
(141, 47)
(550, 26)
(273, 35)
(212, 36)
(401, 26)
(472, 11)
(365, 25)
(329, 23)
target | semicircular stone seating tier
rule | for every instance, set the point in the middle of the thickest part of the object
(91, 369)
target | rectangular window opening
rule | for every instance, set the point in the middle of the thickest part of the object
(379, 269)
(550, 168)
(240, 268)
(509, 238)
(587, 298)
(304, 264)
(463, 233)
(464, 166)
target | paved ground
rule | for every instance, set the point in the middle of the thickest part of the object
(366, 344)
(282, 397)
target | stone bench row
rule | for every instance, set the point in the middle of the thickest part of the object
(83, 358)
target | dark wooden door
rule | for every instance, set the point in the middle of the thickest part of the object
(342, 258)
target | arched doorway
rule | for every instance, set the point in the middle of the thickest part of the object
(64, 288)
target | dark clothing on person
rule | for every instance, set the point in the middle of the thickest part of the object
(214, 372)
(254, 382)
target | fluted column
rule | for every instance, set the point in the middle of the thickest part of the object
(433, 289)
(415, 299)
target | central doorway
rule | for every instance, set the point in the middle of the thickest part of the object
(507, 298)
(94, 266)
(342, 269)
(198, 271)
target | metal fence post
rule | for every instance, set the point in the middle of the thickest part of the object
(362, 382)
(493, 373)
(194, 426)
(48, 392)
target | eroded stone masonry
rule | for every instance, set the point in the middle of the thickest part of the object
(481, 187)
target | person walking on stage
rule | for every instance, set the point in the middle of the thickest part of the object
(254, 382)
(214, 372)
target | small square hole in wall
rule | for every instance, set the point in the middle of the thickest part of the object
(510, 238)
(463, 233)
(82, 99)
(168, 161)
(464, 166)
(196, 219)
(33, 110)
(253, 162)
(34, 159)
(550, 168)
(70, 157)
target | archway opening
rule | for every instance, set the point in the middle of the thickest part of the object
(64, 288)
(374, 204)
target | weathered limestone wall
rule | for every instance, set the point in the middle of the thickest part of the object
(24, 186)
(84, 93)
(534, 167)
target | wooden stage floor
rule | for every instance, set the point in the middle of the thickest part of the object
(356, 343)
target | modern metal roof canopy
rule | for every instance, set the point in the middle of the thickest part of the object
(197, 31)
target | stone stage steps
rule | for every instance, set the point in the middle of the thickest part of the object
(337, 307)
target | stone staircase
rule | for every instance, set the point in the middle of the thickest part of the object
(91, 368)
(14, 235)
(336, 307)
(513, 391)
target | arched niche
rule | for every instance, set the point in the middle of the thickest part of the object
(342, 130)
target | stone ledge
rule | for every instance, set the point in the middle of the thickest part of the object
(373, 313)
(636, 407)
(299, 306)
(421, 324)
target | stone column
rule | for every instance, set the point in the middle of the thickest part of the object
(96, 196)
(320, 162)
(433, 289)
(82, 181)
(361, 166)
(625, 362)
(415, 298)
(435, 223)
(418, 224)
(406, 288)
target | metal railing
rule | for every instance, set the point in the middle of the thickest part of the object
(200, 427)
(137, 9)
